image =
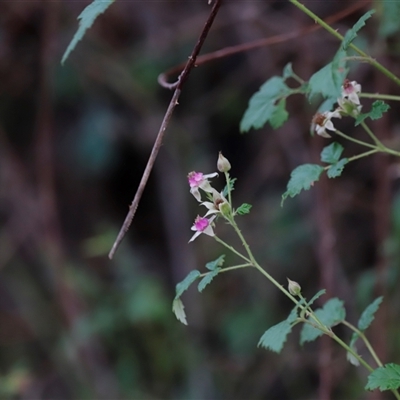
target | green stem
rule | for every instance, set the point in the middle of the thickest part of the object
(371, 146)
(362, 155)
(227, 269)
(260, 269)
(228, 183)
(378, 143)
(379, 96)
(332, 31)
(232, 249)
(365, 340)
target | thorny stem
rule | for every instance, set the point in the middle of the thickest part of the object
(157, 144)
(319, 324)
(232, 249)
(373, 62)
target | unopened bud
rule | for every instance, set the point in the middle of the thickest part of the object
(223, 164)
(294, 287)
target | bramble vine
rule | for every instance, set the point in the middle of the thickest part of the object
(342, 98)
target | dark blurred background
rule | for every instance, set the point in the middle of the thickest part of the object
(74, 141)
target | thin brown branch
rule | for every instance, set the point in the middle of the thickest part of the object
(228, 51)
(157, 144)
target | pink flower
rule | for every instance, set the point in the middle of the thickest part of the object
(350, 90)
(197, 180)
(202, 225)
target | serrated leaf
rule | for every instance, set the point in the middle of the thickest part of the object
(244, 209)
(384, 378)
(231, 187)
(351, 34)
(352, 343)
(275, 337)
(353, 340)
(331, 154)
(263, 104)
(219, 262)
(207, 279)
(327, 105)
(352, 360)
(336, 169)
(316, 296)
(184, 285)
(86, 19)
(368, 314)
(279, 115)
(329, 79)
(377, 110)
(330, 314)
(390, 17)
(287, 71)
(178, 309)
(302, 178)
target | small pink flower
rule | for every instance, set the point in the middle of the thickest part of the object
(197, 180)
(202, 225)
(350, 90)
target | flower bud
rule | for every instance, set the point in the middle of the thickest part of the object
(223, 164)
(225, 209)
(294, 287)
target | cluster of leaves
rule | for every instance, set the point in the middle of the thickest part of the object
(214, 268)
(304, 176)
(268, 105)
(386, 377)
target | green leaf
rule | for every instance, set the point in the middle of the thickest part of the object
(86, 19)
(351, 34)
(331, 154)
(329, 79)
(288, 71)
(350, 356)
(352, 360)
(184, 285)
(384, 378)
(327, 105)
(207, 279)
(275, 337)
(390, 17)
(336, 169)
(377, 110)
(330, 314)
(302, 178)
(316, 296)
(368, 314)
(178, 309)
(231, 187)
(219, 262)
(279, 115)
(244, 209)
(262, 105)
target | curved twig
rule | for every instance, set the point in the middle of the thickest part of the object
(157, 144)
